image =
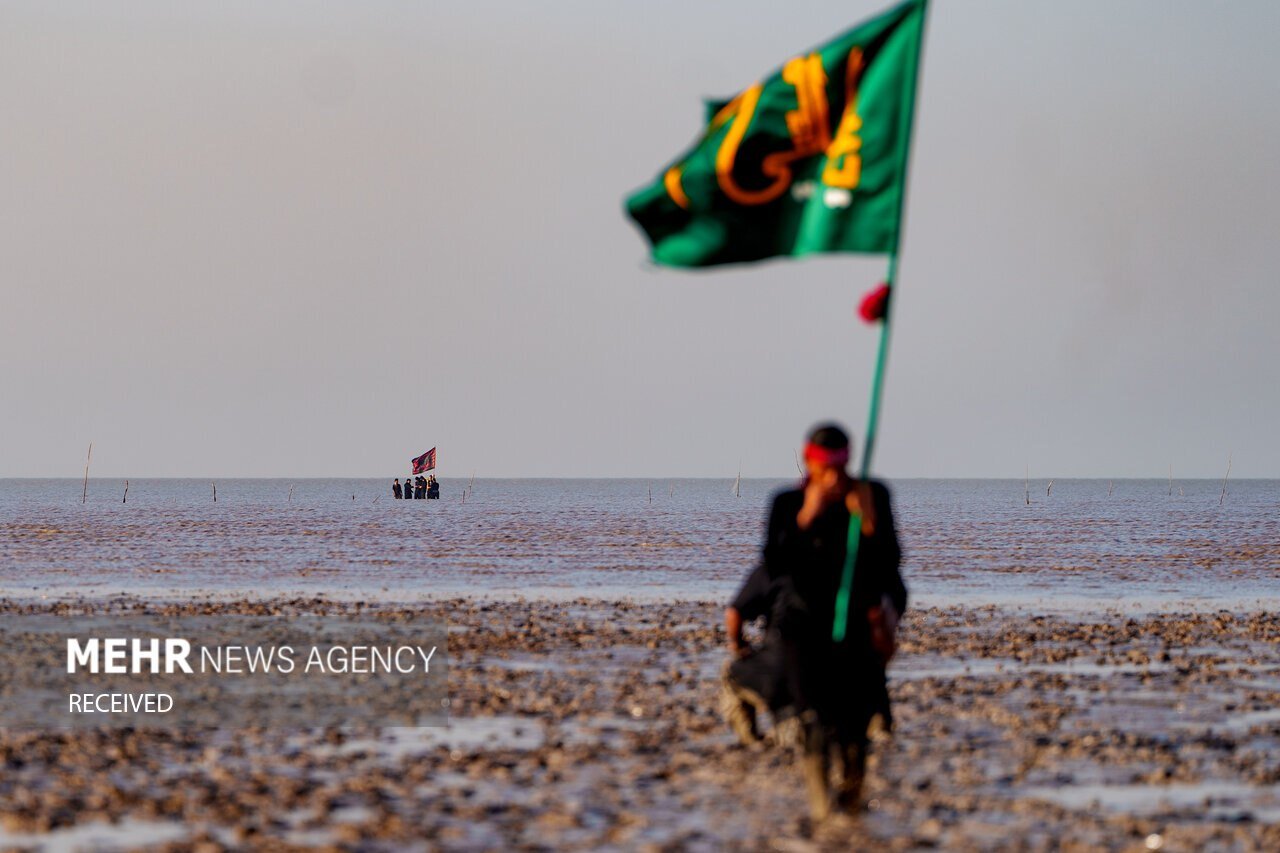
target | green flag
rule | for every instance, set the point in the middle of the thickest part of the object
(811, 159)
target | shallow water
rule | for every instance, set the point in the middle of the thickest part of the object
(1214, 799)
(128, 834)
(966, 541)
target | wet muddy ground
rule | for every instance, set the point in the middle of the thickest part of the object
(593, 725)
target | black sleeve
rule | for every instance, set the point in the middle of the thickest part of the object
(782, 535)
(889, 552)
(754, 599)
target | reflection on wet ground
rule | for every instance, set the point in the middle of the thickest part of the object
(594, 725)
(1075, 683)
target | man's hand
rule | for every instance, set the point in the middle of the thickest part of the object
(823, 488)
(858, 501)
(733, 626)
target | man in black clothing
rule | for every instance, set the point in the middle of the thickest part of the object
(395, 489)
(833, 686)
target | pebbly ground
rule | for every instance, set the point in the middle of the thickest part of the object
(593, 725)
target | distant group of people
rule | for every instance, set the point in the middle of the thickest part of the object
(417, 488)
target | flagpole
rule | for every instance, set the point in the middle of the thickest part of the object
(910, 88)
(844, 594)
(877, 380)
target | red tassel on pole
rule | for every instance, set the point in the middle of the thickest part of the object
(875, 304)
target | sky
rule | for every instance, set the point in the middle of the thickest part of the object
(315, 239)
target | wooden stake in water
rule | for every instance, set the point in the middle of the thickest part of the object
(291, 493)
(1171, 478)
(1223, 496)
(84, 494)
(215, 490)
(650, 493)
(737, 485)
(125, 499)
(1026, 487)
(1049, 490)
(1111, 487)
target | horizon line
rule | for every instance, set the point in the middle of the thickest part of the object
(654, 478)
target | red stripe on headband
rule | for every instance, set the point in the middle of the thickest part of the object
(826, 455)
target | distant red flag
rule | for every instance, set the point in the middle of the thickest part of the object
(425, 462)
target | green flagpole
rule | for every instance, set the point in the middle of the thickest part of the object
(854, 537)
(840, 624)
(877, 380)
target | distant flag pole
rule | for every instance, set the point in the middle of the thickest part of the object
(811, 159)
